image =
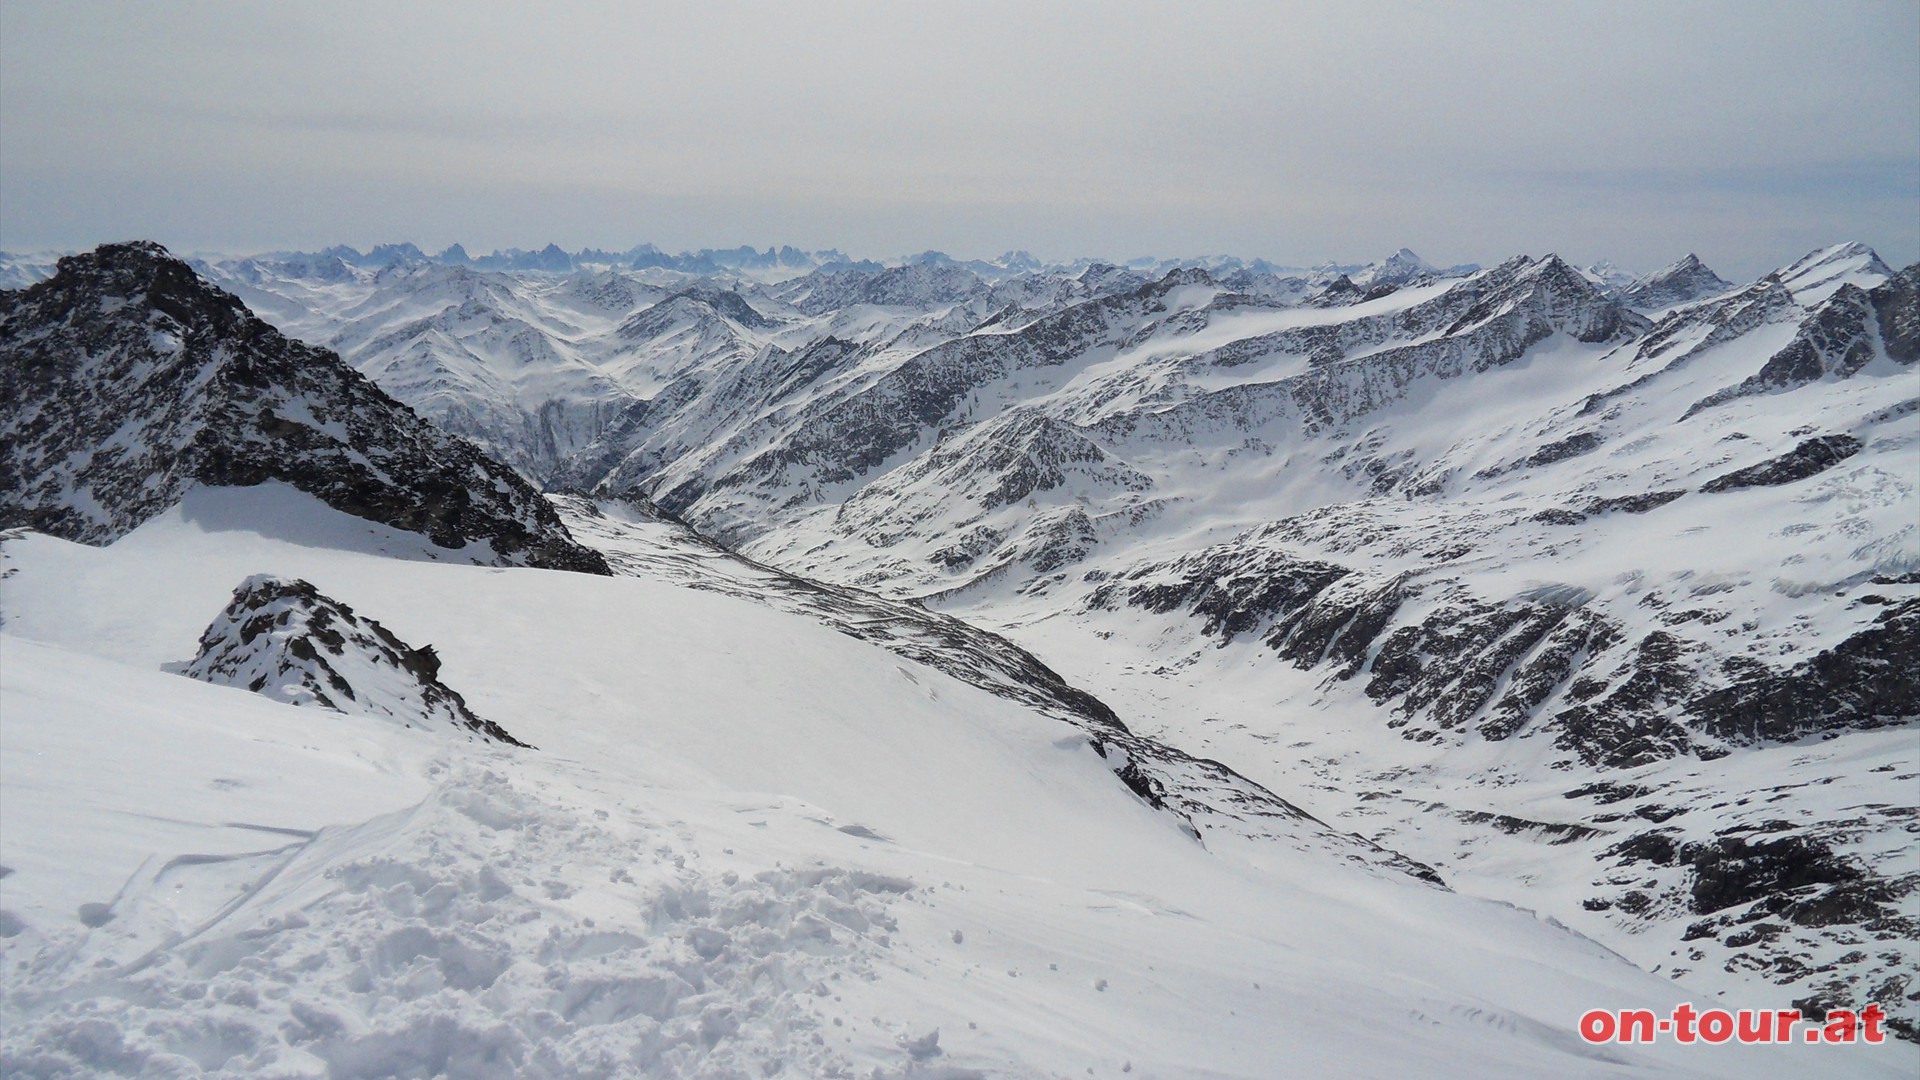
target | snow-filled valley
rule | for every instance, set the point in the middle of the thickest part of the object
(1191, 669)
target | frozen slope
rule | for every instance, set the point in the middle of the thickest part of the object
(749, 845)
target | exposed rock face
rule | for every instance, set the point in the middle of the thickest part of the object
(1848, 331)
(1779, 899)
(127, 377)
(1809, 458)
(285, 640)
(1869, 680)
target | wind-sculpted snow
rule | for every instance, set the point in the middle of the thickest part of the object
(436, 941)
(128, 378)
(1207, 796)
(287, 641)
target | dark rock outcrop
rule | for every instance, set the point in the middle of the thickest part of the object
(285, 640)
(126, 378)
(1810, 457)
(1869, 680)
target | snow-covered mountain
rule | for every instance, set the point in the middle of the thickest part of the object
(129, 379)
(1681, 283)
(1155, 583)
(1504, 519)
(749, 843)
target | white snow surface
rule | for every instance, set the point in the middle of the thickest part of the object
(748, 846)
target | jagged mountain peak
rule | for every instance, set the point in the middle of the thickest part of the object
(1341, 290)
(1681, 282)
(1399, 268)
(285, 640)
(729, 303)
(1106, 277)
(1564, 279)
(1841, 336)
(705, 308)
(1181, 277)
(1546, 295)
(1846, 250)
(1552, 264)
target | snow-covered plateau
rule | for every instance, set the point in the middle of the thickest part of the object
(744, 664)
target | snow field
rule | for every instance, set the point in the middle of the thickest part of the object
(748, 846)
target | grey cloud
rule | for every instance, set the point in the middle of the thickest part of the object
(1295, 131)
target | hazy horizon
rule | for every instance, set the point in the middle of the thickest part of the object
(1300, 133)
(889, 258)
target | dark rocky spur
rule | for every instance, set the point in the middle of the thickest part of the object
(286, 640)
(126, 378)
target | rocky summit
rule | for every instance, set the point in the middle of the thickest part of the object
(128, 378)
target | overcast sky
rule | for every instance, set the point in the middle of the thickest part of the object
(1749, 132)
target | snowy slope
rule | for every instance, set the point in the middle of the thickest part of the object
(749, 844)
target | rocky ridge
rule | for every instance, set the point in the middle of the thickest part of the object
(128, 377)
